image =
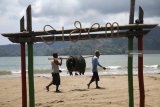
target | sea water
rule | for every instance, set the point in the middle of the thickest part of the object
(115, 64)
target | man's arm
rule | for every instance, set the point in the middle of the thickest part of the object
(101, 65)
(57, 62)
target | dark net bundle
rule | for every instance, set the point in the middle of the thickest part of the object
(77, 64)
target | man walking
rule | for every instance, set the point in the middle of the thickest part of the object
(95, 63)
(55, 72)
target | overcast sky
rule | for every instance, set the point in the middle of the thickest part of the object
(60, 13)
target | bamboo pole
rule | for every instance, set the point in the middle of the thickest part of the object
(23, 67)
(30, 60)
(140, 61)
(130, 56)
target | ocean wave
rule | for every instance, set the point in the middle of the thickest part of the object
(36, 71)
(15, 71)
(151, 66)
(134, 66)
(117, 67)
(4, 72)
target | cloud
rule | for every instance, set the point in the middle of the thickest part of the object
(66, 12)
(55, 8)
(75, 7)
(60, 13)
(106, 6)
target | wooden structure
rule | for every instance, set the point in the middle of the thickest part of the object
(130, 31)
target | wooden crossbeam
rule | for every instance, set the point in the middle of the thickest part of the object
(72, 37)
(85, 30)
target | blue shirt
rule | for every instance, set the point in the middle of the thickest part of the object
(95, 63)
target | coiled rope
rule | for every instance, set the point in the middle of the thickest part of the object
(78, 29)
(93, 28)
(117, 28)
(42, 37)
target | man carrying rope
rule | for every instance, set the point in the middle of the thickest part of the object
(55, 72)
(95, 63)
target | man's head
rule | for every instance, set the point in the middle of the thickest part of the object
(55, 55)
(97, 53)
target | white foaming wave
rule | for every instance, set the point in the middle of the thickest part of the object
(151, 66)
(108, 67)
(116, 67)
(63, 69)
(15, 71)
(135, 66)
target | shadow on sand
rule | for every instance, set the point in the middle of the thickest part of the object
(80, 90)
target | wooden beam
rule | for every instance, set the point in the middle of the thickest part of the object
(39, 33)
(71, 38)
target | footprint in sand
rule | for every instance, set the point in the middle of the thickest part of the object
(38, 104)
(84, 95)
(56, 101)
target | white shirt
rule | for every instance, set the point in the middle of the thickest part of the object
(55, 67)
(95, 63)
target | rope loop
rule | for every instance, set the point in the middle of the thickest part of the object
(78, 29)
(106, 28)
(93, 28)
(42, 37)
(117, 28)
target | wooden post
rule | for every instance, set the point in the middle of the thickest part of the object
(31, 75)
(130, 56)
(130, 70)
(23, 67)
(22, 24)
(132, 8)
(140, 60)
(30, 60)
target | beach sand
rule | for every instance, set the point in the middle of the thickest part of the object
(74, 92)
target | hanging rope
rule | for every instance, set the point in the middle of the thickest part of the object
(93, 28)
(110, 29)
(78, 29)
(42, 37)
(63, 33)
(117, 28)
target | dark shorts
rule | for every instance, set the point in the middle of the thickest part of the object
(95, 76)
(56, 79)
